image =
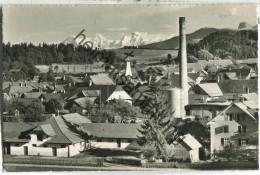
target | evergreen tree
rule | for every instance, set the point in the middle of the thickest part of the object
(159, 131)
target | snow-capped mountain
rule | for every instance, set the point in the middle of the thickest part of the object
(132, 39)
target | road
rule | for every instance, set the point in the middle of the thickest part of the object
(107, 167)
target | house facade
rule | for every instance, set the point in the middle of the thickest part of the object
(233, 126)
(52, 138)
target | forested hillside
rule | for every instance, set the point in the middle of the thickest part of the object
(239, 45)
(24, 56)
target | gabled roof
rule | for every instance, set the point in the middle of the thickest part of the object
(239, 105)
(71, 79)
(211, 88)
(32, 94)
(251, 96)
(14, 129)
(49, 96)
(82, 102)
(189, 142)
(106, 91)
(101, 79)
(238, 86)
(113, 130)
(174, 81)
(18, 89)
(59, 131)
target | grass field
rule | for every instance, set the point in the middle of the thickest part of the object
(147, 55)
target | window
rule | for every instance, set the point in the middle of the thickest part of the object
(45, 145)
(222, 129)
(17, 144)
(129, 141)
(238, 117)
(63, 146)
(244, 129)
(225, 141)
(39, 137)
(34, 145)
(243, 142)
(226, 129)
(230, 117)
(239, 129)
(99, 140)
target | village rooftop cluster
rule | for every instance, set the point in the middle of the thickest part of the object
(89, 110)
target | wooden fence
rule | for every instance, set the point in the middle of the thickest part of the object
(95, 162)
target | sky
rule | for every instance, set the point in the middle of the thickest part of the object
(54, 23)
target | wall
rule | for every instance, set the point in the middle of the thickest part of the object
(120, 95)
(222, 120)
(76, 148)
(107, 143)
(46, 151)
(206, 110)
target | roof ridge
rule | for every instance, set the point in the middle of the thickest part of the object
(60, 129)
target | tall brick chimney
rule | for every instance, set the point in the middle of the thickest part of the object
(183, 61)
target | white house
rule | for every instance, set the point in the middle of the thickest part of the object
(187, 148)
(52, 138)
(233, 126)
(113, 135)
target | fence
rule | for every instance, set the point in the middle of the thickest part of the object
(95, 162)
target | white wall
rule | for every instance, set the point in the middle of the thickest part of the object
(124, 144)
(120, 95)
(46, 151)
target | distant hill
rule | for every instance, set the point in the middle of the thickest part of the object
(194, 37)
(238, 45)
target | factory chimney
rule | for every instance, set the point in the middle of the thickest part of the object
(183, 61)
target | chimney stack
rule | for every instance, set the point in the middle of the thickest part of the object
(183, 61)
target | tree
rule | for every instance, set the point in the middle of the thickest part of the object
(192, 59)
(81, 132)
(33, 112)
(119, 108)
(198, 131)
(53, 105)
(159, 131)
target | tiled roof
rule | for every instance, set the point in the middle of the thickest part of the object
(18, 89)
(49, 96)
(14, 129)
(238, 86)
(82, 101)
(113, 130)
(211, 88)
(190, 143)
(32, 94)
(62, 133)
(102, 79)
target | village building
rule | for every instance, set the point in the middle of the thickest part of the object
(210, 89)
(101, 79)
(187, 148)
(114, 135)
(238, 86)
(234, 126)
(51, 138)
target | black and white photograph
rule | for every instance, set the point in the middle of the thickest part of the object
(129, 87)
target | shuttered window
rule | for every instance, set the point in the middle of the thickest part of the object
(239, 129)
(222, 129)
(244, 129)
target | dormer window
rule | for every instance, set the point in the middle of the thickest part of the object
(39, 137)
